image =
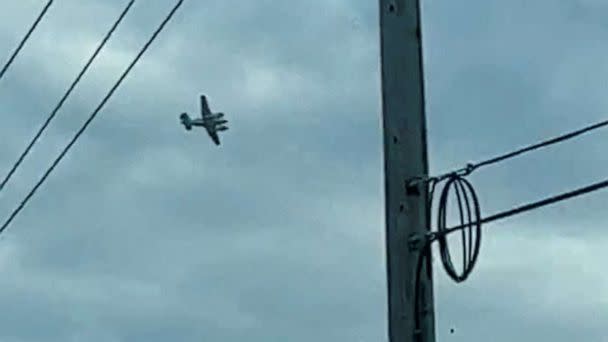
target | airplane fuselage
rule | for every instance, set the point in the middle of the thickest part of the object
(198, 122)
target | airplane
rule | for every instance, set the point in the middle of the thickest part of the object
(212, 122)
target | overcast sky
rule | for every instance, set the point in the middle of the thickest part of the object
(149, 233)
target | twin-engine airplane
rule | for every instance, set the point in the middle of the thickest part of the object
(212, 122)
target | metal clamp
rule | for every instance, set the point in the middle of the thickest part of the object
(412, 185)
(417, 241)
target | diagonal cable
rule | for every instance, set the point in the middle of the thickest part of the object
(548, 142)
(467, 170)
(25, 39)
(529, 206)
(64, 98)
(91, 117)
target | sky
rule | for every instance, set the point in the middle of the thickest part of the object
(148, 232)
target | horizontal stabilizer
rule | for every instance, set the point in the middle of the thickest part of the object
(185, 120)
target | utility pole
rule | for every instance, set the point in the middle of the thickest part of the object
(405, 157)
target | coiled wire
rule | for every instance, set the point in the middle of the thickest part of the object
(469, 215)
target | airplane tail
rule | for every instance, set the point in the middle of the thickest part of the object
(186, 121)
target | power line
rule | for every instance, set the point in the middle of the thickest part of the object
(25, 39)
(65, 96)
(471, 167)
(469, 213)
(91, 117)
(530, 206)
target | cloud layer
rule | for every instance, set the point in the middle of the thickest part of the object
(147, 232)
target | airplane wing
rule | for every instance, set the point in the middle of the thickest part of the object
(205, 110)
(214, 137)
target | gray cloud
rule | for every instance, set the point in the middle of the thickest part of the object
(146, 232)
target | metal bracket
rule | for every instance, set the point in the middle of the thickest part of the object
(412, 187)
(418, 241)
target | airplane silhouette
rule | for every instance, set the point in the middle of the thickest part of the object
(212, 122)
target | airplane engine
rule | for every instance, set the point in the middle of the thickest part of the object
(221, 128)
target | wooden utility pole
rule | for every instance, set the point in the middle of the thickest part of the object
(405, 157)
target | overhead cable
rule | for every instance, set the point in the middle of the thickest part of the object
(528, 207)
(25, 38)
(471, 167)
(91, 118)
(64, 98)
(470, 221)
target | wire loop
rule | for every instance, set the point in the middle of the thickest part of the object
(469, 214)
